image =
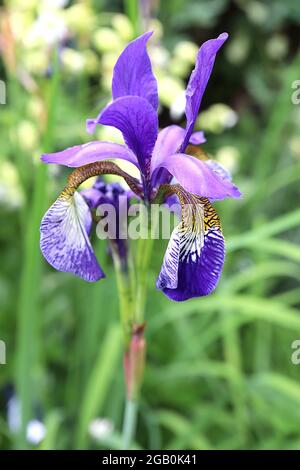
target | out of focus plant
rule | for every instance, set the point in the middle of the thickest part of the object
(228, 359)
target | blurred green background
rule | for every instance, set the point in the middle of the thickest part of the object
(219, 371)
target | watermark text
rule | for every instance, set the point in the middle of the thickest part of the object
(2, 352)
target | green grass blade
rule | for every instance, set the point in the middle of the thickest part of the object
(100, 381)
(28, 310)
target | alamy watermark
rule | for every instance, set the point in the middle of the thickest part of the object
(118, 221)
(295, 98)
(2, 352)
(2, 92)
(295, 357)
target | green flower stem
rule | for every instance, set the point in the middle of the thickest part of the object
(137, 353)
(144, 253)
(126, 298)
(144, 256)
(127, 313)
(129, 423)
(131, 8)
(132, 297)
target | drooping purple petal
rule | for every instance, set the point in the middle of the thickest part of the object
(138, 121)
(198, 81)
(90, 152)
(197, 275)
(197, 177)
(219, 169)
(133, 72)
(64, 238)
(194, 258)
(197, 138)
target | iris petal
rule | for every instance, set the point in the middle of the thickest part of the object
(138, 121)
(195, 254)
(64, 238)
(168, 142)
(197, 177)
(89, 153)
(133, 72)
(197, 138)
(198, 82)
(219, 169)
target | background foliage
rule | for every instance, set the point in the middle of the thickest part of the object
(219, 372)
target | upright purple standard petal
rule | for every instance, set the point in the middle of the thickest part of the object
(198, 82)
(137, 120)
(91, 152)
(64, 238)
(194, 258)
(168, 142)
(197, 177)
(133, 73)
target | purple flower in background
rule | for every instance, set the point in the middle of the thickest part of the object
(113, 194)
(195, 254)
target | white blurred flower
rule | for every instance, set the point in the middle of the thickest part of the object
(49, 28)
(11, 194)
(110, 134)
(107, 40)
(13, 414)
(72, 60)
(228, 156)
(101, 428)
(187, 51)
(35, 432)
(55, 3)
(217, 118)
(294, 145)
(123, 27)
(80, 18)
(159, 56)
(170, 88)
(178, 106)
(27, 135)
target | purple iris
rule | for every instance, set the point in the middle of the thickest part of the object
(195, 254)
(102, 193)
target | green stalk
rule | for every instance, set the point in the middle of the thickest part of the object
(144, 252)
(126, 299)
(28, 313)
(145, 248)
(131, 8)
(132, 298)
(129, 423)
(127, 312)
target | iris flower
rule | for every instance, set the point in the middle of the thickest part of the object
(195, 253)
